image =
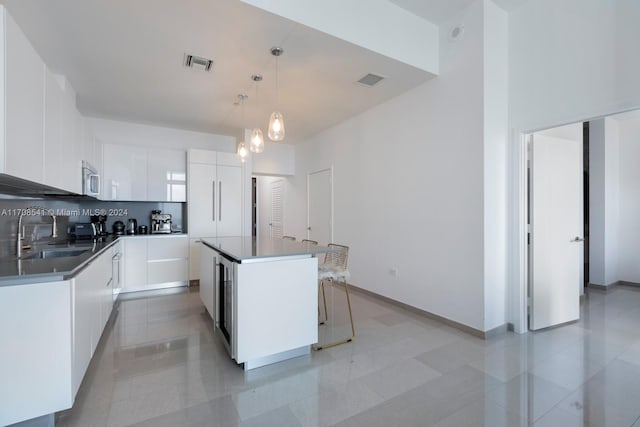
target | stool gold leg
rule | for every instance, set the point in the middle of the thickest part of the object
(353, 329)
(321, 321)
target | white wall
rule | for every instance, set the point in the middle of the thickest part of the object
(126, 133)
(496, 115)
(604, 186)
(408, 186)
(276, 159)
(629, 201)
(568, 61)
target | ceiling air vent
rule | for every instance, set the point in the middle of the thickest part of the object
(370, 80)
(197, 62)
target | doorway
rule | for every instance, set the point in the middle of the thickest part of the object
(320, 206)
(556, 225)
(269, 201)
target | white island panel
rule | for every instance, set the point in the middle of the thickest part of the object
(35, 368)
(276, 307)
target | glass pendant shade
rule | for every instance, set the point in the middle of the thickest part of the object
(242, 152)
(257, 141)
(276, 126)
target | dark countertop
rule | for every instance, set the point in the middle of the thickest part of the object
(27, 271)
(247, 249)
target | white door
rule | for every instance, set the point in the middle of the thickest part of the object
(275, 224)
(556, 231)
(320, 206)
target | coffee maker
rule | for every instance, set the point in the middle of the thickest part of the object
(160, 223)
(100, 225)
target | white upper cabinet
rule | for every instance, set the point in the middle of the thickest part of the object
(166, 175)
(42, 134)
(23, 87)
(124, 172)
(53, 146)
(63, 135)
(143, 174)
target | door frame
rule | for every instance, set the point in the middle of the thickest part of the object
(330, 170)
(518, 262)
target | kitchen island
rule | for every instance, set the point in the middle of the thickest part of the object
(262, 296)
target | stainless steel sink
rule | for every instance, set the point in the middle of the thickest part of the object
(55, 253)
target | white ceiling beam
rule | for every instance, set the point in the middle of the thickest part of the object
(377, 25)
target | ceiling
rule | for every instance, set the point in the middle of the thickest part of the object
(439, 11)
(124, 59)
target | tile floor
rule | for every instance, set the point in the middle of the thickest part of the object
(158, 364)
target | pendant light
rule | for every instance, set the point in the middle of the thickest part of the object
(256, 143)
(242, 152)
(276, 121)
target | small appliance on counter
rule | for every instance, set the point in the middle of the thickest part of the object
(160, 223)
(132, 226)
(81, 231)
(118, 228)
(143, 229)
(100, 224)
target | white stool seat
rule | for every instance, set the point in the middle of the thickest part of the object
(332, 272)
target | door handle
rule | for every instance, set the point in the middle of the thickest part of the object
(213, 200)
(577, 239)
(220, 201)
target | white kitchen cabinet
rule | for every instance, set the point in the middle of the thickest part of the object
(54, 152)
(135, 263)
(63, 135)
(166, 175)
(84, 306)
(229, 201)
(75, 165)
(167, 262)
(124, 172)
(22, 76)
(143, 174)
(93, 301)
(202, 200)
(35, 361)
(155, 262)
(215, 193)
(41, 131)
(207, 275)
(51, 330)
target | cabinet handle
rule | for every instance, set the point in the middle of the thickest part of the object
(220, 201)
(213, 200)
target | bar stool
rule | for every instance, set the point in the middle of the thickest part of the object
(334, 269)
(324, 299)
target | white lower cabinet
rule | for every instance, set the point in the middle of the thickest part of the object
(51, 331)
(135, 263)
(155, 262)
(207, 278)
(92, 303)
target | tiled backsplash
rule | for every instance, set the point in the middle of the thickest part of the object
(79, 210)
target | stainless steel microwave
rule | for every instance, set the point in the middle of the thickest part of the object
(90, 180)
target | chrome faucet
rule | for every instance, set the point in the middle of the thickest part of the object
(20, 237)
